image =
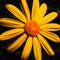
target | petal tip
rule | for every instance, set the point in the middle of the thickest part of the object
(53, 53)
(56, 14)
(44, 4)
(8, 5)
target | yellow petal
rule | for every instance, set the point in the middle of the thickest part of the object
(22, 9)
(53, 37)
(35, 8)
(50, 27)
(11, 33)
(16, 12)
(16, 44)
(27, 49)
(37, 49)
(45, 45)
(48, 18)
(26, 8)
(41, 12)
(8, 22)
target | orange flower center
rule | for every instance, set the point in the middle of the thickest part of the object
(32, 28)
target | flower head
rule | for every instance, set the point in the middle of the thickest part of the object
(35, 26)
(32, 28)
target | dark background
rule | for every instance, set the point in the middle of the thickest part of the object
(53, 5)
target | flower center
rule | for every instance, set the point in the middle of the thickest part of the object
(32, 28)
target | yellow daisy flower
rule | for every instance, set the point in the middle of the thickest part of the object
(33, 27)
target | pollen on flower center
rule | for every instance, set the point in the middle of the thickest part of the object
(32, 28)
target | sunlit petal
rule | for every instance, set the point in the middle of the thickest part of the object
(8, 22)
(35, 8)
(26, 8)
(27, 49)
(11, 33)
(53, 37)
(16, 44)
(41, 12)
(16, 12)
(48, 18)
(37, 49)
(50, 27)
(45, 45)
